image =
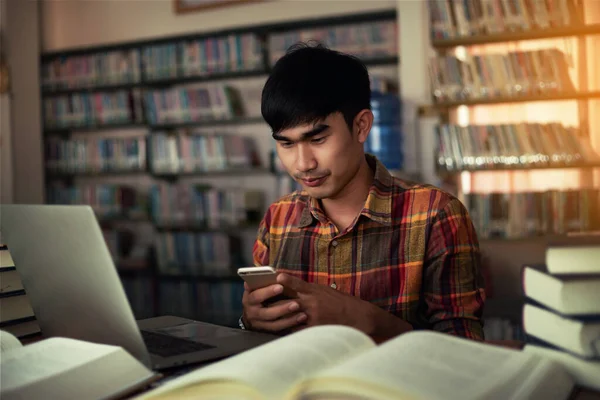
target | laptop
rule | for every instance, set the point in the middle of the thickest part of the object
(75, 291)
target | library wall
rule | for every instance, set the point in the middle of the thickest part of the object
(22, 52)
(78, 23)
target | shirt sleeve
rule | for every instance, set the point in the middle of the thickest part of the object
(453, 282)
(260, 250)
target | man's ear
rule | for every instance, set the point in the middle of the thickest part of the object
(363, 121)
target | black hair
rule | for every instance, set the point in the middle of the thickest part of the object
(311, 82)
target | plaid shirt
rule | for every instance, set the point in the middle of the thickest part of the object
(412, 251)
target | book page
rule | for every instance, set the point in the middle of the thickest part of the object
(428, 365)
(273, 368)
(585, 372)
(8, 341)
(44, 359)
(62, 368)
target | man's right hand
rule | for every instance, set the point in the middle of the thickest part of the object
(277, 317)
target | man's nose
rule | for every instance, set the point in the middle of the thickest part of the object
(306, 160)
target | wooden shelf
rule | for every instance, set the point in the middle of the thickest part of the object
(226, 172)
(92, 174)
(212, 122)
(390, 60)
(521, 168)
(89, 128)
(203, 78)
(92, 89)
(512, 99)
(592, 29)
(157, 83)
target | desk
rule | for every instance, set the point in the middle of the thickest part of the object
(578, 393)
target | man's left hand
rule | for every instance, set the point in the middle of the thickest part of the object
(324, 305)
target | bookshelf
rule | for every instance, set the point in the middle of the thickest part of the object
(504, 37)
(465, 77)
(518, 99)
(126, 125)
(513, 87)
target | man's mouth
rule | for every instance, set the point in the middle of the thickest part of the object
(314, 182)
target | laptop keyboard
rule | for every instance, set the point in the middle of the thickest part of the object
(168, 346)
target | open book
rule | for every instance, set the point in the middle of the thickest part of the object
(62, 368)
(337, 362)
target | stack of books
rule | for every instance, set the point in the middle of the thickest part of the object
(16, 314)
(561, 316)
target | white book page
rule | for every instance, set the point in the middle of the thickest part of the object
(8, 342)
(436, 366)
(47, 358)
(273, 368)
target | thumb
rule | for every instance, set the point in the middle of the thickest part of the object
(293, 283)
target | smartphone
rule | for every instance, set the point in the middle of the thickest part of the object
(259, 277)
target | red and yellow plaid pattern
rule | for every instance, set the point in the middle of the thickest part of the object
(412, 251)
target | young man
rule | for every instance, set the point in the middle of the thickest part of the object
(357, 246)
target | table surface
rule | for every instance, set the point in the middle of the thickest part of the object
(578, 393)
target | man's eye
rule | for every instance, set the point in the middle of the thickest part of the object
(318, 140)
(286, 144)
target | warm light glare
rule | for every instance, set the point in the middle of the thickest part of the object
(520, 181)
(463, 115)
(564, 112)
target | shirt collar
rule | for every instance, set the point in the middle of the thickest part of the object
(378, 206)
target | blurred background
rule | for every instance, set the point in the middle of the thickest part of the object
(149, 111)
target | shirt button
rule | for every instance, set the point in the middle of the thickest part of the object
(334, 243)
(333, 285)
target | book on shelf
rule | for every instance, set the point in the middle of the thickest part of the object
(194, 57)
(193, 103)
(500, 75)
(61, 368)
(464, 18)
(196, 206)
(367, 40)
(193, 253)
(189, 151)
(327, 362)
(87, 155)
(16, 313)
(561, 314)
(91, 70)
(530, 214)
(203, 56)
(517, 146)
(231, 53)
(83, 110)
(109, 201)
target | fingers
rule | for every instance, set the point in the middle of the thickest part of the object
(281, 323)
(278, 317)
(277, 310)
(258, 296)
(293, 284)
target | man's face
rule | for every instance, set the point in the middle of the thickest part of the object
(323, 157)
